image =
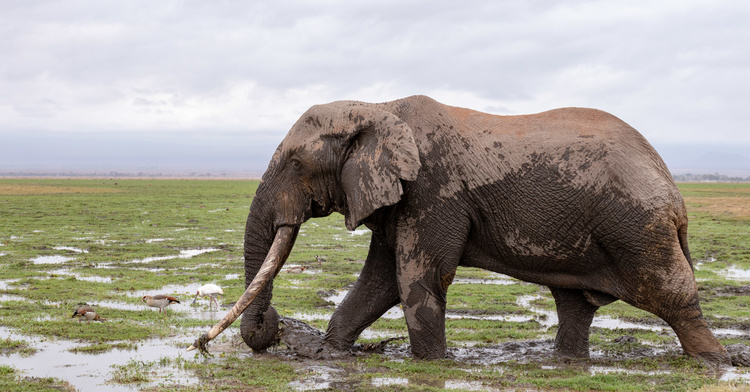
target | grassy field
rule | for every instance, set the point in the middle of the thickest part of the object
(106, 243)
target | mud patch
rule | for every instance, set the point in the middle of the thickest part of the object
(732, 290)
(740, 354)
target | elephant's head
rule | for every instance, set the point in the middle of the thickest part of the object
(347, 157)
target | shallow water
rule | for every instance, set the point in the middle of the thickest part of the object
(76, 250)
(94, 278)
(57, 259)
(735, 273)
(500, 281)
(434, 382)
(184, 254)
(91, 372)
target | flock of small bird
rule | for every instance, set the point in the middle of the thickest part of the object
(159, 301)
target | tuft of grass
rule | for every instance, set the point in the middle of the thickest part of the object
(10, 380)
(133, 372)
(11, 346)
(98, 348)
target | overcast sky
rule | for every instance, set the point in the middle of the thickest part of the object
(215, 85)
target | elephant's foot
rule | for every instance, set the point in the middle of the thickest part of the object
(573, 348)
(686, 318)
(572, 341)
(715, 358)
(260, 333)
(698, 342)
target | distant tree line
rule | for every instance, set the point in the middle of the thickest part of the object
(689, 177)
(716, 177)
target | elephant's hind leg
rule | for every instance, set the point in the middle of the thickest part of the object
(671, 293)
(575, 315)
(676, 302)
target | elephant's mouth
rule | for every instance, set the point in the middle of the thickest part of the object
(319, 210)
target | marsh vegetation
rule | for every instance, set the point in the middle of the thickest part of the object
(107, 243)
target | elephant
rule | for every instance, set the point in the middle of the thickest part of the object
(573, 199)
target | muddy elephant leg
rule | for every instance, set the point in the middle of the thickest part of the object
(374, 293)
(575, 315)
(424, 302)
(673, 296)
(426, 267)
(681, 310)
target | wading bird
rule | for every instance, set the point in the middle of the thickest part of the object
(88, 314)
(160, 301)
(209, 290)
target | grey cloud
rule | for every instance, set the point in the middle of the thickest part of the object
(678, 71)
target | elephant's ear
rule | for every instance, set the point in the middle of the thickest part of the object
(381, 152)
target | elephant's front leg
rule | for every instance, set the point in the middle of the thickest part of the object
(374, 292)
(424, 302)
(426, 268)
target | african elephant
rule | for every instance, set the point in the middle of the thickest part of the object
(573, 199)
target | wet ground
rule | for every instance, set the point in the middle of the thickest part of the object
(304, 345)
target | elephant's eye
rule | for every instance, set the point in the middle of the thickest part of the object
(296, 165)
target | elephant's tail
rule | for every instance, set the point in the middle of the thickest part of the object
(683, 238)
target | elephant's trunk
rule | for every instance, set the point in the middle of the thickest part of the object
(277, 255)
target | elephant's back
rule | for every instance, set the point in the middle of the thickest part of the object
(579, 147)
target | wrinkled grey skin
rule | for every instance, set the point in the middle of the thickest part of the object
(573, 199)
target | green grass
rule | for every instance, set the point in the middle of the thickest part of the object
(113, 225)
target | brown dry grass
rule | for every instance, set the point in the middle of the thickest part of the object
(725, 388)
(14, 189)
(736, 206)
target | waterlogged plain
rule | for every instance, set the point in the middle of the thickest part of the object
(108, 242)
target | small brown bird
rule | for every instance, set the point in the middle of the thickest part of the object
(160, 301)
(88, 314)
(295, 270)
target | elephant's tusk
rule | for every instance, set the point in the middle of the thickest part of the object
(280, 249)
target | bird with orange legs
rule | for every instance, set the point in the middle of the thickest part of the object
(160, 301)
(88, 314)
